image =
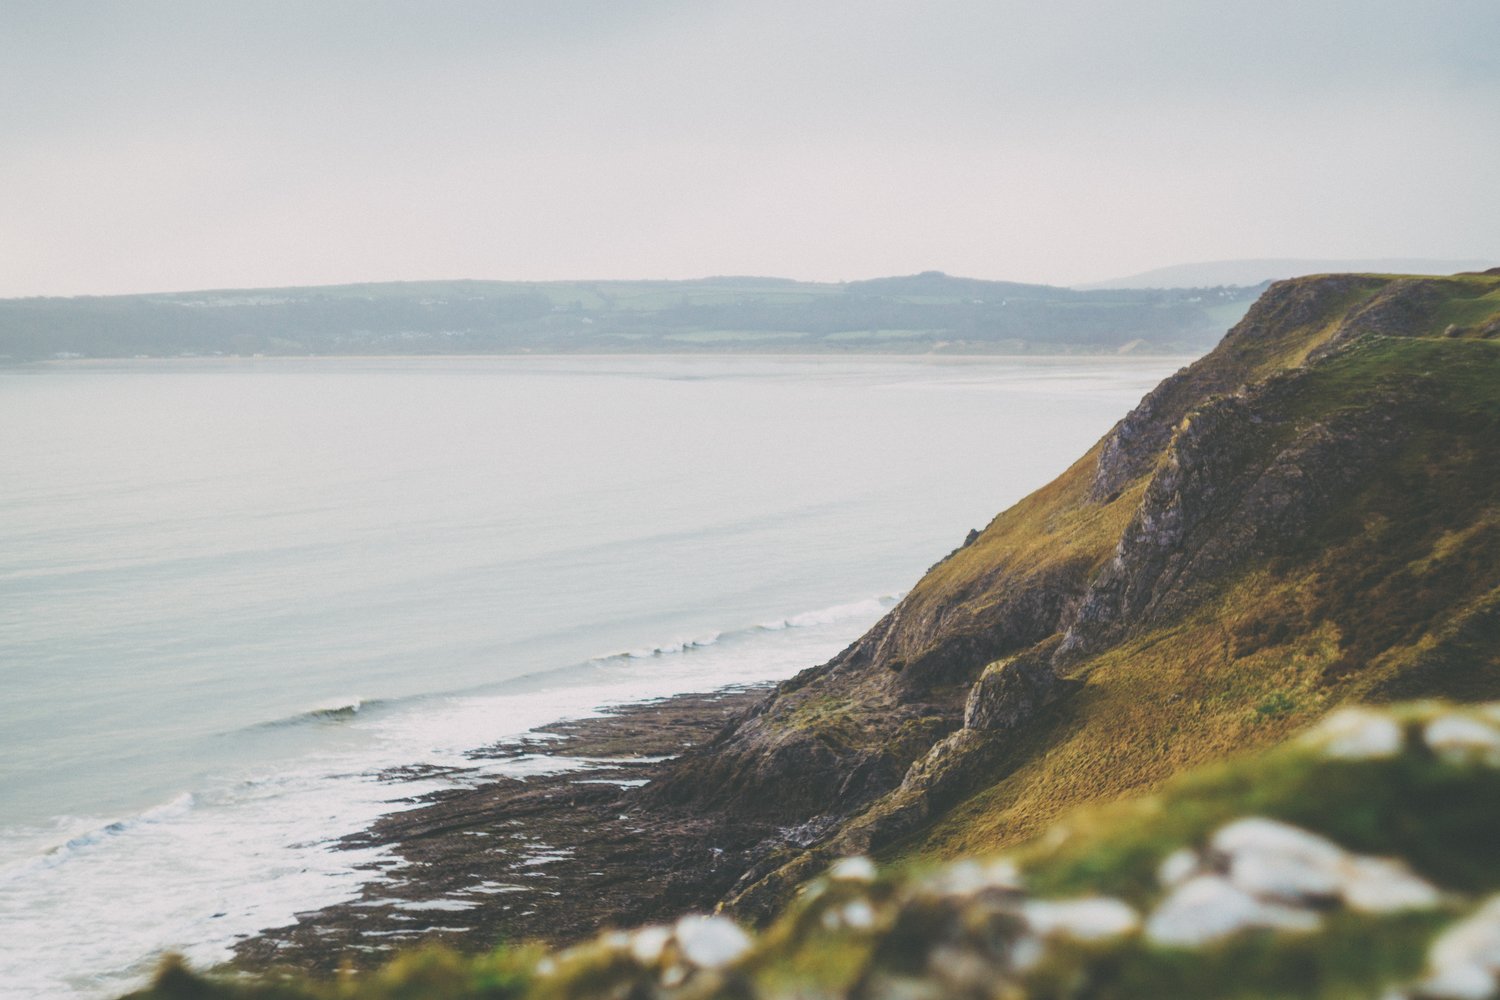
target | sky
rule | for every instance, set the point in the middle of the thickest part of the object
(176, 144)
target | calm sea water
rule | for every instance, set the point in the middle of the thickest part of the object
(233, 592)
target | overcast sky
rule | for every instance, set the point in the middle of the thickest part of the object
(190, 144)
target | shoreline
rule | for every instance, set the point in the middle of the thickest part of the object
(554, 855)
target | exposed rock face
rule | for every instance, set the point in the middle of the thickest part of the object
(1010, 692)
(1238, 481)
(1286, 309)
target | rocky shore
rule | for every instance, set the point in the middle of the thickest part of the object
(553, 855)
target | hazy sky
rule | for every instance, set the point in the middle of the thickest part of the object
(189, 144)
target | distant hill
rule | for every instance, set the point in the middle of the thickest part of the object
(918, 314)
(1255, 272)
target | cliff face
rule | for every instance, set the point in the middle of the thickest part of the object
(1309, 514)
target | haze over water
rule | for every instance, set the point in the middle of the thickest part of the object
(232, 592)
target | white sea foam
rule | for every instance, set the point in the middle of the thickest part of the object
(250, 850)
(838, 613)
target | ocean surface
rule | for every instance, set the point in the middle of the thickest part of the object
(233, 592)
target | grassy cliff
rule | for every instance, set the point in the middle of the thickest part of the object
(1306, 516)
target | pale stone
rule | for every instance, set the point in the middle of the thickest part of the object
(1462, 736)
(1357, 734)
(1177, 867)
(858, 914)
(1085, 919)
(1272, 859)
(710, 942)
(1286, 877)
(1459, 982)
(1384, 885)
(970, 877)
(1208, 907)
(854, 869)
(647, 944)
(959, 969)
(1256, 834)
(1472, 941)
(1026, 953)
(813, 890)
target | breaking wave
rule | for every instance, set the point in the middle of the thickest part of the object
(172, 809)
(338, 710)
(869, 607)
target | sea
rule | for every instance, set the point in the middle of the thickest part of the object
(235, 592)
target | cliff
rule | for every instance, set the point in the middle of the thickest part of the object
(1308, 516)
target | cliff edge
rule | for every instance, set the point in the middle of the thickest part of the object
(1308, 515)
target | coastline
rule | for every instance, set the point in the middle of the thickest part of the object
(939, 356)
(554, 855)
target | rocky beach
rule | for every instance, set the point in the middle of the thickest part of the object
(553, 855)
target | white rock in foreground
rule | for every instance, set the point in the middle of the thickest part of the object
(1178, 867)
(1208, 907)
(710, 942)
(1384, 885)
(647, 944)
(1357, 734)
(1280, 861)
(853, 869)
(1465, 958)
(970, 877)
(1085, 919)
(1461, 736)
